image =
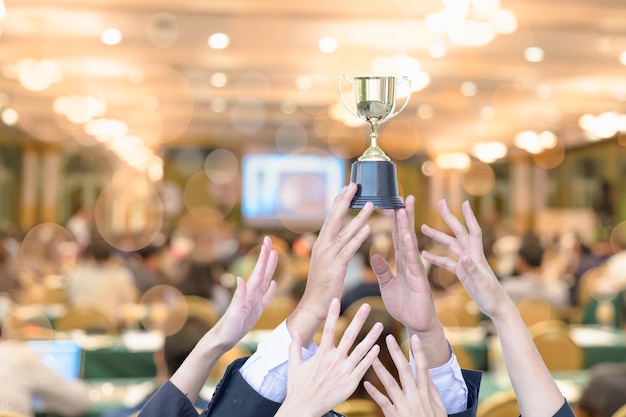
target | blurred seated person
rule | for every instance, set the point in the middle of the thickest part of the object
(531, 280)
(100, 279)
(145, 264)
(175, 349)
(9, 278)
(23, 376)
(605, 392)
(202, 279)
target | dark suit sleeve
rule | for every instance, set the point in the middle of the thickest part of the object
(472, 380)
(234, 397)
(168, 401)
(565, 411)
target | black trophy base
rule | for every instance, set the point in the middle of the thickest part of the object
(376, 181)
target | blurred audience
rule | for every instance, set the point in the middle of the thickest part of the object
(99, 278)
(23, 376)
(605, 392)
(145, 264)
(167, 360)
(202, 279)
(9, 278)
(530, 279)
(81, 226)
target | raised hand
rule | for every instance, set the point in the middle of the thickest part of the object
(336, 244)
(416, 396)
(407, 294)
(332, 374)
(469, 262)
(250, 298)
(245, 308)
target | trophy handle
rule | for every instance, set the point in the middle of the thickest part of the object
(395, 113)
(351, 82)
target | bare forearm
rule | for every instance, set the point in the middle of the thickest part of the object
(537, 393)
(194, 372)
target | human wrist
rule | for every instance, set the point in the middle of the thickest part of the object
(506, 314)
(291, 408)
(218, 340)
(434, 344)
(305, 322)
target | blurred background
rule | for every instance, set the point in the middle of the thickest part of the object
(163, 139)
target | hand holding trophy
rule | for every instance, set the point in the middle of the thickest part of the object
(374, 172)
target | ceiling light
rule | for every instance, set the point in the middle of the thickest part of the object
(304, 82)
(111, 36)
(533, 54)
(453, 160)
(425, 111)
(38, 75)
(3, 10)
(9, 117)
(544, 91)
(489, 152)
(487, 113)
(437, 50)
(468, 89)
(219, 41)
(218, 79)
(327, 44)
(504, 21)
(472, 33)
(218, 105)
(622, 58)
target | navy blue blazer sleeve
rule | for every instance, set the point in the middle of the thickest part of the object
(472, 380)
(168, 401)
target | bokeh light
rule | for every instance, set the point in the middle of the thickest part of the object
(204, 197)
(165, 308)
(221, 166)
(479, 179)
(48, 249)
(551, 158)
(617, 238)
(400, 139)
(248, 116)
(129, 218)
(291, 136)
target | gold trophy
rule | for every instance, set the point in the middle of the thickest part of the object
(374, 172)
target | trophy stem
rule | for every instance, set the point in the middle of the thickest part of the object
(374, 153)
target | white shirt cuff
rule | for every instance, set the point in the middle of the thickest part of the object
(449, 381)
(266, 370)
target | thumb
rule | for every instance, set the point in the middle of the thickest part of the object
(381, 268)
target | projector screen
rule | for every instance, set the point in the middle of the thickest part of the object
(278, 188)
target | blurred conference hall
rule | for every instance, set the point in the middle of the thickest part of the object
(147, 147)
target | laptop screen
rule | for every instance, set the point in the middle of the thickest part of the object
(63, 356)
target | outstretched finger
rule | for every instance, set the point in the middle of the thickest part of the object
(422, 377)
(442, 261)
(338, 210)
(389, 382)
(258, 275)
(378, 397)
(354, 328)
(455, 225)
(330, 326)
(443, 238)
(475, 232)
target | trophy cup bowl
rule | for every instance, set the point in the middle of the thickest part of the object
(374, 172)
